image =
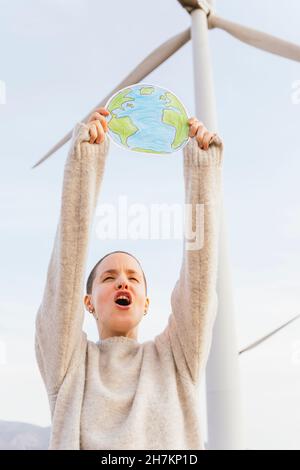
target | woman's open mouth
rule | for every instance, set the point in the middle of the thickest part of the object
(123, 300)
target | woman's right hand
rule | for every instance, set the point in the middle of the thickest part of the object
(97, 125)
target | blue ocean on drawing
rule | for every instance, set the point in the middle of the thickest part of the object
(147, 118)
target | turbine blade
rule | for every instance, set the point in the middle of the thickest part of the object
(150, 63)
(264, 338)
(256, 38)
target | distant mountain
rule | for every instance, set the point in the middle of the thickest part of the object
(23, 436)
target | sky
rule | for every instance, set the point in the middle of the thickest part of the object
(58, 59)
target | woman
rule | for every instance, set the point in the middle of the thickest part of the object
(119, 393)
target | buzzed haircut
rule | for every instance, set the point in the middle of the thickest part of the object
(92, 274)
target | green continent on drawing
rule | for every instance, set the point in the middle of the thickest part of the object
(124, 127)
(137, 149)
(119, 100)
(147, 90)
(175, 119)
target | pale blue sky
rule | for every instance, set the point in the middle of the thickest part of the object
(58, 59)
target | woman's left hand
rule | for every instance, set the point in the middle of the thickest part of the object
(198, 130)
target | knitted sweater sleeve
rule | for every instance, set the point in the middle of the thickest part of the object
(194, 297)
(58, 334)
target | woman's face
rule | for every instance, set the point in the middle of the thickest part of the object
(118, 272)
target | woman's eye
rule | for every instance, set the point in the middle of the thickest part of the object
(110, 277)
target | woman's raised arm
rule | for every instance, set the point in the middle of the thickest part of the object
(194, 298)
(59, 338)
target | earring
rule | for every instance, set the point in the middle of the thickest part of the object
(93, 311)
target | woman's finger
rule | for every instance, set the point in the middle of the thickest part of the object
(192, 119)
(200, 133)
(193, 129)
(97, 116)
(206, 139)
(103, 111)
(216, 139)
(93, 132)
(100, 130)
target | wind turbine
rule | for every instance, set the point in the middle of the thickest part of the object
(223, 397)
(250, 36)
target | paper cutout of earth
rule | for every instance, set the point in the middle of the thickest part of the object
(147, 118)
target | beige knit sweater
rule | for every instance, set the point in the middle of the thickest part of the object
(119, 393)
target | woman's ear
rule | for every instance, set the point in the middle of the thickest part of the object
(147, 305)
(88, 304)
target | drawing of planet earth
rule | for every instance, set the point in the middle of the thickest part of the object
(147, 118)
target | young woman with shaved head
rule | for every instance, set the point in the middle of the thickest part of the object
(119, 393)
